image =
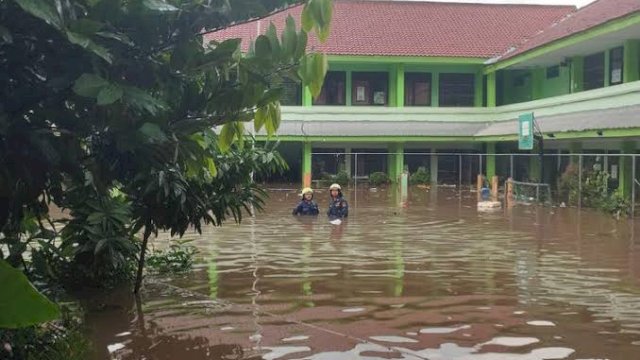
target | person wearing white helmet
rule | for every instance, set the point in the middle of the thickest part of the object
(306, 206)
(338, 206)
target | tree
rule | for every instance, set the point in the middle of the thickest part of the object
(100, 95)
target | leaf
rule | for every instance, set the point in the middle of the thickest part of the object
(89, 85)
(273, 40)
(227, 135)
(211, 166)
(21, 305)
(88, 44)
(301, 46)
(263, 47)
(289, 38)
(110, 94)
(152, 132)
(307, 18)
(260, 118)
(42, 9)
(141, 100)
(159, 5)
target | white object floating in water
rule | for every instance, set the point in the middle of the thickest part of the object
(115, 347)
(393, 339)
(336, 222)
(511, 341)
(540, 323)
(486, 205)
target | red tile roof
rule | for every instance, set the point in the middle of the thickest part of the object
(594, 14)
(412, 28)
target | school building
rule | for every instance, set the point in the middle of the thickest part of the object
(451, 78)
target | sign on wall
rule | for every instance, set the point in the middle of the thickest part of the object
(525, 131)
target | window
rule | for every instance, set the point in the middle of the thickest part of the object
(616, 65)
(553, 72)
(594, 71)
(333, 89)
(417, 89)
(521, 79)
(291, 93)
(369, 88)
(457, 89)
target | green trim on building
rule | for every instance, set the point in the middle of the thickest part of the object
(405, 59)
(608, 27)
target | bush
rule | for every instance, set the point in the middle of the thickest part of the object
(342, 178)
(420, 177)
(176, 259)
(378, 178)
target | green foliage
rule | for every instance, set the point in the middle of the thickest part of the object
(103, 95)
(342, 177)
(420, 177)
(595, 191)
(379, 178)
(21, 305)
(60, 340)
(175, 259)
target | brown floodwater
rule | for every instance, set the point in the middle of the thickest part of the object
(433, 279)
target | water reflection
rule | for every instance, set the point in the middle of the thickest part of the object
(429, 279)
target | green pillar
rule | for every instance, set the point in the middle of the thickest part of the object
(307, 99)
(575, 148)
(537, 83)
(435, 89)
(306, 164)
(577, 74)
(624, 174)
(349, 87)
(479, 90)
(491, 89)
(491, 160)
(395, 161)
(400, 85)
(631, 63)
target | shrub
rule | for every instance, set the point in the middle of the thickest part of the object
(420, 177)
(378, 178)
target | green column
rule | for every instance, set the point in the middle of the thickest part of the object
(435, 89)
(395, 161)
(479, 89)
(307, 99)
(624, 174)
(400, 85)
(631, 64)
(577, 74)
(306, 164)
(491, 160)
(537, 83)
(491, 89)
(349, 87)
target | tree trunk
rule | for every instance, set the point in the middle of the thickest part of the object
(143, 251)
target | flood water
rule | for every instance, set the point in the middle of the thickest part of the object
(435, 279)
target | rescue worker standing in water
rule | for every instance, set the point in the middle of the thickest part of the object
(306, 206)
(338, 206)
